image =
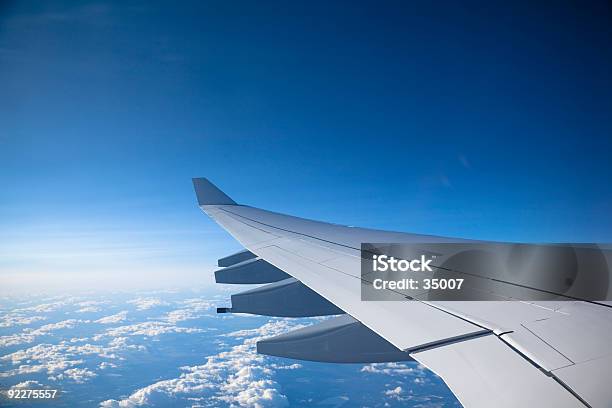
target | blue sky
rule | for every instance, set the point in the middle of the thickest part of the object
(473, 120)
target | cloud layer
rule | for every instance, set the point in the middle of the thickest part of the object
(238, 376)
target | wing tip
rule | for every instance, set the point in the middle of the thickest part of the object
(209, 194)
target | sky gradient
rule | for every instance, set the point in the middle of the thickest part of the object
(475, 120)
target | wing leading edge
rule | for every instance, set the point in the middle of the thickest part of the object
(488, 354)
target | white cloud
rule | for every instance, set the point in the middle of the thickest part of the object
(88, 303)
(90, 306)
(179, 316)
(64, 324)
(415, 370)
(88, 309)
(16, 319)
(54, 363)
(417, 399)
(197, 304)
(116, 318)
(78, 375)
(147, 303)
(29, 335)
(418, 374)
(15, 339)
(55, 303)
(60, 361)
(190, 308)
(43, 308)
(293, 366)
(47, 358)
(148, 329)
(395, 369)
(394, 393)
(28, 384)
(238, 377)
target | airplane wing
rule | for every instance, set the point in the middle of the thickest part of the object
(489, 353)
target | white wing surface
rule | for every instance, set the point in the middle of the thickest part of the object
(493, 353)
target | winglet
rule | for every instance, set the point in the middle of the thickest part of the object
(209, 194)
